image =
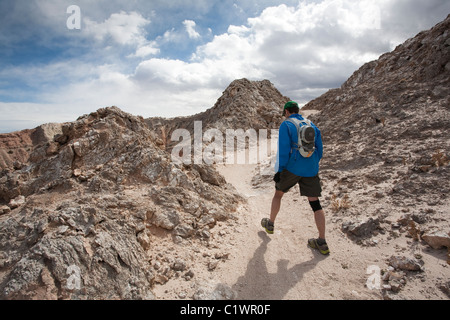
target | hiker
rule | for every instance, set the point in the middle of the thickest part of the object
(300, 149)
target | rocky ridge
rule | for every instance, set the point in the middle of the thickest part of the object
(94, 209)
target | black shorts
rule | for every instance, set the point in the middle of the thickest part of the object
(309, 186)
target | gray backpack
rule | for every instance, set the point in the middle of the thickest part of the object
(306, 137)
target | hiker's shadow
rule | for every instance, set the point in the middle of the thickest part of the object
(257, 283)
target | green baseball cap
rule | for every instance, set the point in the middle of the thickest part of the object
(290, 104)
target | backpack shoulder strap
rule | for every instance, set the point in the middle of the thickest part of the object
(294, 121)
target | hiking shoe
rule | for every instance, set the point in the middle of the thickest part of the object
(320, 245)
(267, 225)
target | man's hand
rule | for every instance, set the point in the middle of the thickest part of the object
(276, 177)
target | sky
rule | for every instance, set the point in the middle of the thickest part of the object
(61, 59)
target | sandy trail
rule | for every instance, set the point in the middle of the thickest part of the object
(282, 267)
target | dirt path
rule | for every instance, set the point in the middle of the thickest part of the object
(281, 266)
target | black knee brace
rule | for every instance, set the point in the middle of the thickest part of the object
(315, 205)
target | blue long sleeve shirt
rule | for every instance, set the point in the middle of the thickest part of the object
(289, 158)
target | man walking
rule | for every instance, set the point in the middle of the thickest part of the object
(300, 149)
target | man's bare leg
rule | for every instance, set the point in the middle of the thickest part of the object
(276, 204)
(319, 217)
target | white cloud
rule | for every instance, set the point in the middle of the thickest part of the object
(150, 49)
(304, 50)
(125, 29)
(190, 29)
